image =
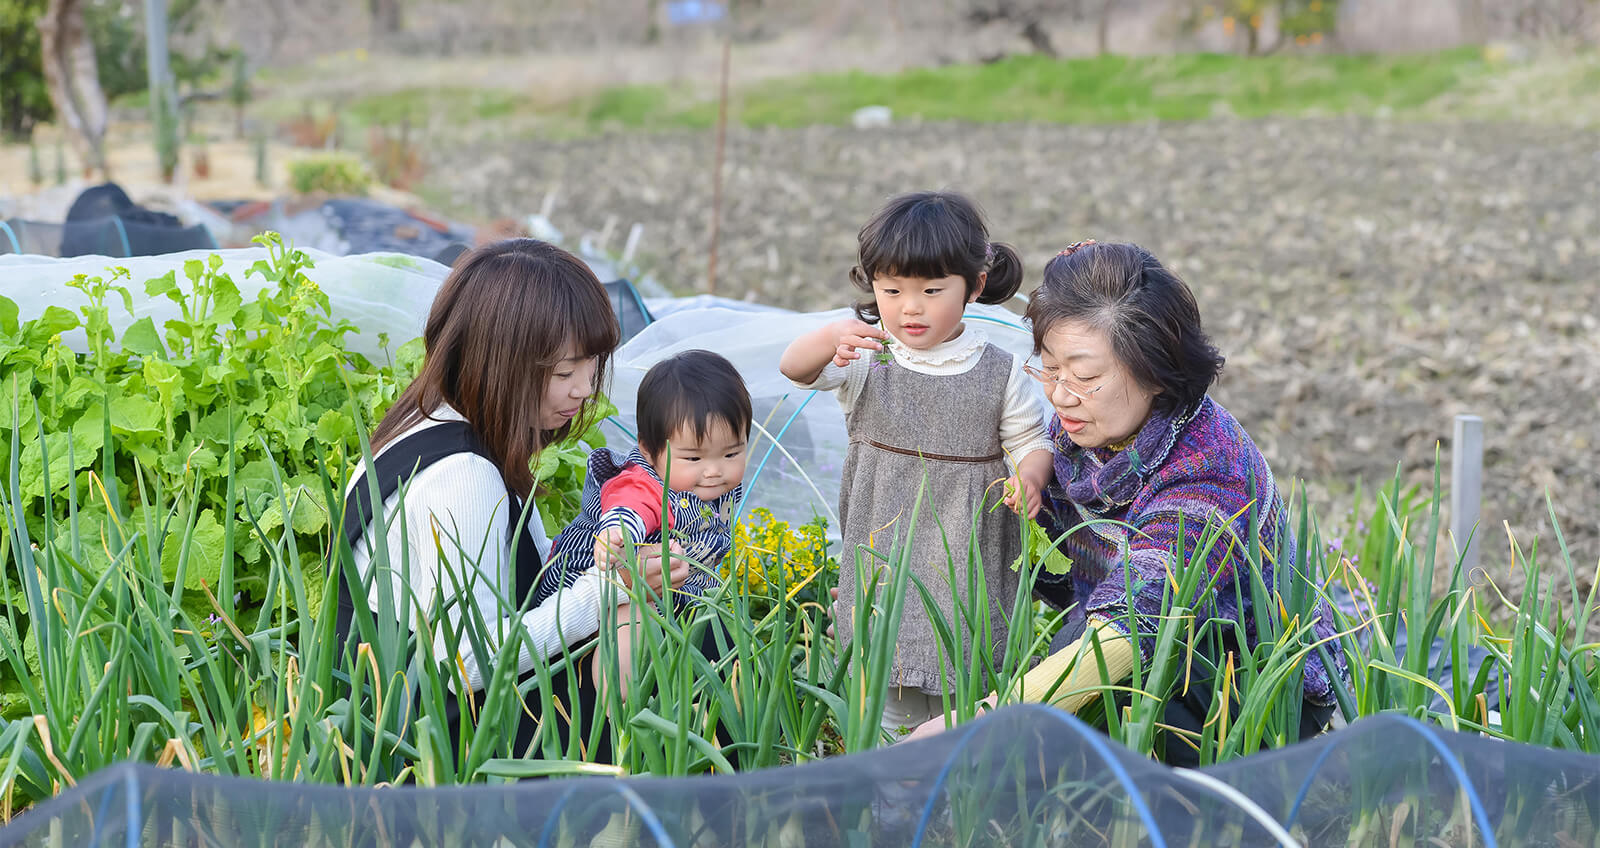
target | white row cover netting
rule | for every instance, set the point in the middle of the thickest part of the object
(1023, 776)
(797, 477)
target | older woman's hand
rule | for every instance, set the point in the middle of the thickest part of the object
(926, 730)
(936, 725)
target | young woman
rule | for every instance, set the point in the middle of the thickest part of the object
(517, 342)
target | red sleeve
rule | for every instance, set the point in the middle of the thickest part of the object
(634, 488)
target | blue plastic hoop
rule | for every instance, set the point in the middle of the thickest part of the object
(646, 815)
(1449, 759)
(751, 486)
(127, 249)
(1085, 733)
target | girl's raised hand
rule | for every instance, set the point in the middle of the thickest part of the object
(1022, 495)
(854, 335)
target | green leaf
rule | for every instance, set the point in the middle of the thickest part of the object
(141, 339)
(549, 462)
(205, 552)
(1040, 548)
(127, 298)
(225, 300)
(31, 470)
(29, 646)
(408, 358)
(192, 458)
(55, 321)
(335, 428)
(79, 388)
(166, 284)
(309, 515)
(17, 397)
(89, 430)
(165, 378)
(8, 316)
(194, 269)
(135, 414)
(213, 426)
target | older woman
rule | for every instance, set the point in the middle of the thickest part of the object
(1126, 366)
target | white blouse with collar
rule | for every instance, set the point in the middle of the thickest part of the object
(1022, 424)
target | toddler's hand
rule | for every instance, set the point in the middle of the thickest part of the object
(854, 335)
(610, 547)
(1022, 496)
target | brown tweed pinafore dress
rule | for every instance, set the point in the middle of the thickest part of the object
(905, 425)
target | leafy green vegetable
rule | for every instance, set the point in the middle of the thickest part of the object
(1038, 547)
(885, 356)
(269, 377)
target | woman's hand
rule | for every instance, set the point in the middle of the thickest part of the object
(936, 725)
(928, 729)
(852, 336)
(656, 575)
(622, 660)
(609, 547)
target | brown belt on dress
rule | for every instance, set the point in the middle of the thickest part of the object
(996, 457)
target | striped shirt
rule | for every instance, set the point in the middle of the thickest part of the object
(702, 528)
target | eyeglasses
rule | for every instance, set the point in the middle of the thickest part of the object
(1077, 390)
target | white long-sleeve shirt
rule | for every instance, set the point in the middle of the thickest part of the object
(1022, 422)
(461, 502)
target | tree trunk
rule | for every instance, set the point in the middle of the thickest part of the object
(73, 80)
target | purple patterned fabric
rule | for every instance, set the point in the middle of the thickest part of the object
(1188, 468)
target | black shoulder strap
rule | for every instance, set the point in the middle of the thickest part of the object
(402, 461)
(406, 458)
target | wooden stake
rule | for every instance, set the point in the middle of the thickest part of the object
(716, 176)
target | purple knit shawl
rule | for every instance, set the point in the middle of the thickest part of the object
(1183, 469)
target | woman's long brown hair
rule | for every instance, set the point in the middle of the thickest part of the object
(504, 317)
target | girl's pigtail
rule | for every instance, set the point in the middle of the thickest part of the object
(1005, 275)
(866, 310)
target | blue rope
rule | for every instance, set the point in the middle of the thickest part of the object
(1445, 756)
(1086, 734)
(750, 487)
(16, 246)
(646, 815)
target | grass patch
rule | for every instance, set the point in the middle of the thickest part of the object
(1105, 89)
(419, 105)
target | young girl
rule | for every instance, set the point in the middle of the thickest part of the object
(943, 402)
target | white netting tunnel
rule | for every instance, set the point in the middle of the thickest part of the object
(1024, 776)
